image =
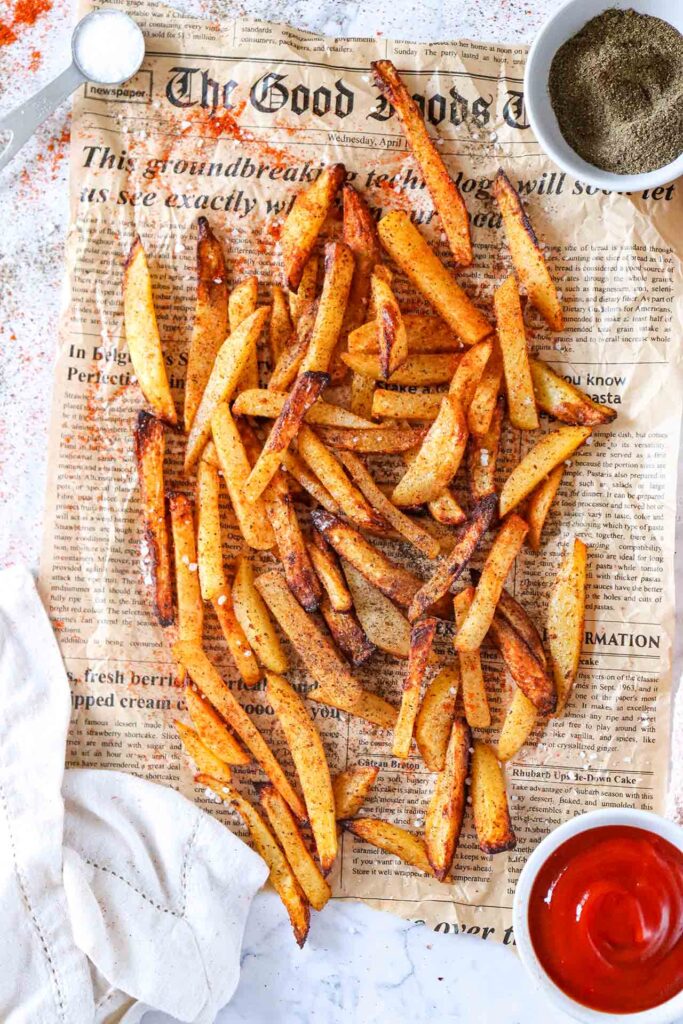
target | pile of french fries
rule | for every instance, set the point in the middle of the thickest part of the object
(339, 344)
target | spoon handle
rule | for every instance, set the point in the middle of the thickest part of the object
(22, 122)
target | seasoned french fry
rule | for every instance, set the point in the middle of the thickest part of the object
(306, 293)
(268, 404)
(538, 506)
(380, 439)
(412, 253)
(490, 802)
(512, 338)
(329, 573)
(253, 617)
(418, 370)
(469, 372)
(210, 317)
(392, 337)
(474, 698)
(288, 365)
(547, 453)
(142, 334)
(235, 637)
(530, 677)
(446, 509)
(435, 718)
(421, 640)
(446, 810)
(347, 633)
(360, 235)
(211, 684)
(150, 445)
(282, 876)
(305, 220)
(438, 459)
(308, 754)
(519, 619)
(498, 563)
(212, 730)
(351, 788)
(445, 194)
(483, 456)
(520, 719)
(204, 759)
(299, 472)
(209, 547)
(286, 829)
(392, 839)
(424, 334)
(564, 401)
(382, 622)
(336, 685)
(190, 617)
(339, 267)
(404, 405)
(483, 404)
(241, 304)
(299, 573)
(235, 466)
(565, 626)
(280, 328)
(362, 389)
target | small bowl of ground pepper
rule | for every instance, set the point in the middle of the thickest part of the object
(604, 92)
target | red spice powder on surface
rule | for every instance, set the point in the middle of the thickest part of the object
(25, 13)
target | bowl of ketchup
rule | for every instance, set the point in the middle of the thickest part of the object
(598, 917)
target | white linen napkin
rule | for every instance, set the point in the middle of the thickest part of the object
(116, 895)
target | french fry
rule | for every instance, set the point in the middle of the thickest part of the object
(392, 337)
(209, 547)
(567, 403)
(530, 677)
(362, 389)
(204, 759)
(235, 638)
(498, 563)
(212, 730)
(286, 829)
(255, 620)
(288, 365)
(280, 328)
(520, 719)
(307, 389)
(380, 439)
(190, 615)
(299, 573)
(550, 451)
(474, 698)
(382, 622)
(351, 788)
(424, 334)
(360, 235)
(520, 620)
(150, 444)
(235, 466)
(421, 640)
(307, 291)
(241, 304)
(347, 633)
(403, 405)
(339, 267)
(412, 253)
(565, 625)
(489, 802)
(469, 371)
(527, 258)
(282, 877)
(392, 839)
(336, 685)
(394, 582)
(268, 404)
(483, 456)
(446, 509)
(209, 681)
(512, 338)
(418, 370)
(438, 459)
(142, 334)
(302, 475)
(227, 369)
(210, 327)
(305, 220)
(483, 404)
(445, 194)
(539, 503)
(451, 568)
(446, 810)
(329, 573)
(308, 754)
(435, 718)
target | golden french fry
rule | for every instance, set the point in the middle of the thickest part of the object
(474, 698)
(306, 293)
(424, 334)
(142, 334)
(150, 444)
(520, 620)
(210, 317)
(305, 220)
(530, 677)
(351, 788)
(438, 459)
(360, 235)
(498, 563)
(268, 404)
(287, 831)
(445, 194)
(392, 338)
(392, 839)
(538, 506)
(382, 622)
(380, 439)
(302, 475)
(209, 546)
(362, 389)
(204, 675)
(241, 304)
(332, 305)
(235, 637)
(204, 759)
(489, 802)
(446, 509)
(512, 338)
(547, 453)
(404, 405)
(235, 466)
(421, 640)
(418, 370)
(520, 719)
(565, 626)
(484, 400)
(347, 633)
(190, 617)
(280, 328)
(435, 718)
(446, 810)
(483, 456)
(212, 730)
(288, 365)
(469, 371)
(299, 573)
(329, 572)
(253, 617)
(564, 401)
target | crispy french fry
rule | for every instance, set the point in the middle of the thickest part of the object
(445, 194)
(360, 235)
(280, 328)
(489, 802)
(351, 788)
(301, 299)
(209, 681)
(424, 334)
(305, 220)
(347, 633)
(150, 444)
(204, 759)
(299, 573)
(302, 475)
(382, 622)
(212, 730)
(210, 317)
(435, 718)
(362, 389)
(438, 459)
(412, 253)
(253, 617)
(547, 453)
(512, 338)
(235, 466)
(241, 304)
(209, 547)
(469, 371)
(282, 876)
(538, 506)
(446, 509)
(308, 754)
(380, 439)
(421, 640)
(235, 637)
(332, 305)
(498, 563)
(483, 456)
(446, 810)
(394, 582)
(190, 616)
(520, 719)
(483, 404)
(564, 401)
(268, 404)
(329, 572)
(565, 626)
(404, 405)
(474, 698)
(451, 568)
(336, 685)
(418, 370)
(288, 365)
(142, 334)
(392, 338)
(392, 839)
(286, 829)
(530, 677)
(519, 619)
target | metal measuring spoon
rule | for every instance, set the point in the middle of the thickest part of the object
(117, 35)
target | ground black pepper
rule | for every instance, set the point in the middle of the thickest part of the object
(617, 91)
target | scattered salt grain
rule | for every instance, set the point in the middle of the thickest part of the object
(484, 457)
(192, 567)
(185, 559)
(221, 600)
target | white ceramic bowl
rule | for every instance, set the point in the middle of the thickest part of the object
(560, 27)
(665, 1013)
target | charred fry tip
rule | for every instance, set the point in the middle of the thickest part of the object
(135, 248)
(322, 519)
(506, 185)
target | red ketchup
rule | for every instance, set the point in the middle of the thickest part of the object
(606, 919)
